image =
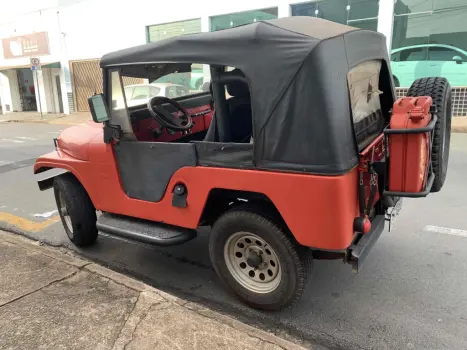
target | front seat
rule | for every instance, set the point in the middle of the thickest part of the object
(240, 115)
(240, 121)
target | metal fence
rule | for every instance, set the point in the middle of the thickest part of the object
(459, 99)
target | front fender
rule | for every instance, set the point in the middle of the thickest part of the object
(53, 164)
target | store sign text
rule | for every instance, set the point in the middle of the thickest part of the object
(26, 45)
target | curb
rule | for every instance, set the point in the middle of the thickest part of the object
(459, 129)
(68, 257)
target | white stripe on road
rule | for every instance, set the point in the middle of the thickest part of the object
(26, 138)
(46, 215)
(446, 230)
(10, 140)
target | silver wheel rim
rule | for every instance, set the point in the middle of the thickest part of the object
(243, 248)
(65, 214)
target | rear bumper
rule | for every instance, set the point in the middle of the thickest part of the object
(358, 251)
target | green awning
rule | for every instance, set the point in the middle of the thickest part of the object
(51, 65)
(26, 66)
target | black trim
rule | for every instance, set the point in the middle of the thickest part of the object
(358, 251)
(426, 192)
(179, 195)
(143, 230)
(112, 132)
(427, 128)
(231, 155)
(46, 181)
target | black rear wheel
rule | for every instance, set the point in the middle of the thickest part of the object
(440, 91)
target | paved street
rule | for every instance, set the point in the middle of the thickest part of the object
(411, 294)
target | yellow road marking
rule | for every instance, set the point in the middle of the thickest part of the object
(28, 225)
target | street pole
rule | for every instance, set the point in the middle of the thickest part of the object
(38, 91)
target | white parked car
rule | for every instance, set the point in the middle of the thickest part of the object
(140, 94)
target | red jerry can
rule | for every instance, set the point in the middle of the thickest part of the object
(409, 154)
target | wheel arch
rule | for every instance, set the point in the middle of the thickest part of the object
(51, 172)
(220, 200)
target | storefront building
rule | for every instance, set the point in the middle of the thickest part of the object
(22, 89)
(424, 38)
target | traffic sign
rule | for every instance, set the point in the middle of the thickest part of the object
(35, 61)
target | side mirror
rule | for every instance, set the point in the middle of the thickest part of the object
(98, 108)
(458, 59)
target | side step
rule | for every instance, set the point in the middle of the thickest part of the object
(144, 231)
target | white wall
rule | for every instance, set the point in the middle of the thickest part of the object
(43, 21)
(47, 20)
(94, 28)
(5, 91)
(14, 91)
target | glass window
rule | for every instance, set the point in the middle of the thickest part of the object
(140, 92)
(167, 30)
(359, 9)
(369, 24)
(415, 54)
(412, 6)
(128, 92)
(171, 92)
(363, 83)
(411, 30)
(433, 44)
(356, 13)
(193, 80)
(448, 4)
(117, 105)
(154, 91)
(241, 18)
(446, 54)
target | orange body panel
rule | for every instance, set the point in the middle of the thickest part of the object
(409, 153)
(319, 210)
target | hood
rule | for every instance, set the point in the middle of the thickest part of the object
(75, 140)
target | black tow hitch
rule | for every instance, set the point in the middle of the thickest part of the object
(363, 243)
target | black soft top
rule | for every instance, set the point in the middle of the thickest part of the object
(296, 68)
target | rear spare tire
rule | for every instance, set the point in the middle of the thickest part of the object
(255, 258)
(440, 91)
(76, 210)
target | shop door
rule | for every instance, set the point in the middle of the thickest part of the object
(87, 80)
(59, 93)
(27, 92)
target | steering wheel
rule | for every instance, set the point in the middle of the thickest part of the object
(181, 122)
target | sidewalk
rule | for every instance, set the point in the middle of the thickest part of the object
(50, 299)
(459, 124)
(47, 118)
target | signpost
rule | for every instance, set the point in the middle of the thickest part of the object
(35, 66)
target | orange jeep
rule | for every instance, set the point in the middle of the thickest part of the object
(297, 151)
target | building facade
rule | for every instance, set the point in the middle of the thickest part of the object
(424, 38)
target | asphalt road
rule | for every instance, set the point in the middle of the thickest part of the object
(412, 292)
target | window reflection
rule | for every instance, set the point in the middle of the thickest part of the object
(429, 40)
(356, 13)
